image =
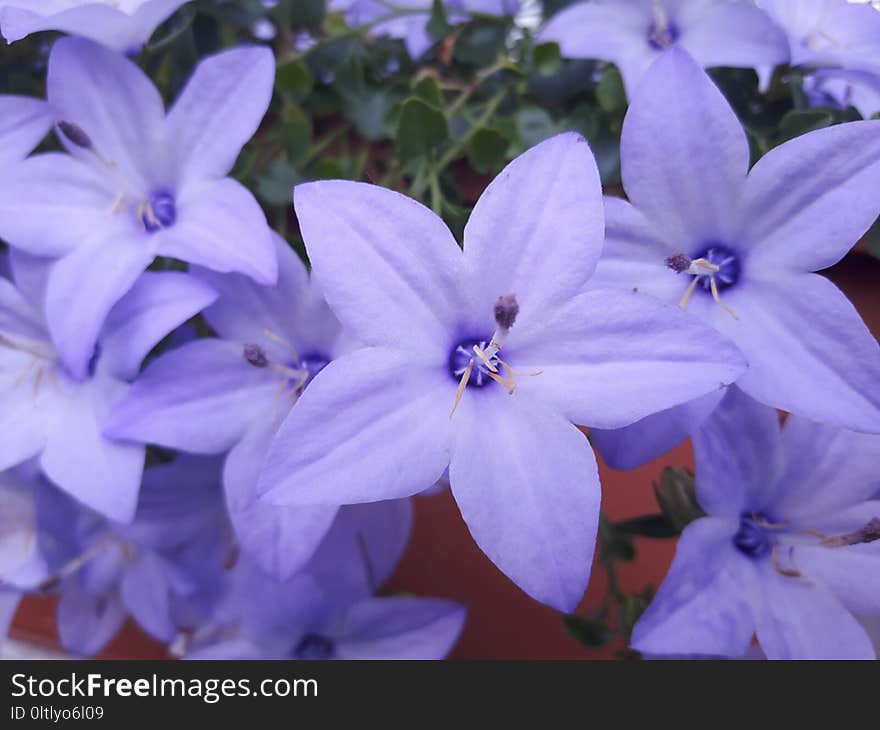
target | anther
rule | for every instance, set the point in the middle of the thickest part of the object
(870, 532)
(255, 355)
(75, 134)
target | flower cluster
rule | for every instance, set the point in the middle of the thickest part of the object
(202, 435)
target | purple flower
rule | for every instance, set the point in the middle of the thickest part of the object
(231, 394)
(327, 611)
(632, 34)
(737, 248)
(137, 184)
(408, 19)
(790, 548)
(50, 413)
(828, 33)
(157, 569)
(434, 389)
(23, 123)
(124, 25)
(840, 88)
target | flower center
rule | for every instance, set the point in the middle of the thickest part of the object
(158, 211)
(662, 36)
(715, 269)
(296, 372)
(728, 266)
(463, 357)
(754, 538)
(315, 646)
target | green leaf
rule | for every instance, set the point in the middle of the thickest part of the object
(872, 238)
(276, 186)
(590, 631)
(438, 26)
(429, 91)
(421, 129)
(295, 132)
(486, 149)
(676, 494)
(547, 59)
(479, 44)
(800, 121)
(647, 526)
(294, 77)
(534, 125)
(368, 110)
(610, 92)
(632, 609)
(615, 544)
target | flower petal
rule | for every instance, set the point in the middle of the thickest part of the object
(851, 573)
(221, 226)
(610, 31)
(24, 417)
(145, 592)
(400, 628)
(24, 121)
(281, 540)
(634, 255)
(219, 110)
(101, 474)
(826, 469)
(362, 549)
(83, 288)
(371, 425)
(198, 398)
(110, 99)
(737, 34)
(703, 605)
(53, 202)
(155, 305)
(87, 623)
(294, 309)
(109, 26)
(528, 488)
(536, 231)
(609, 358)
(389, 267)
(684, 155)
(808, 350)
(795, 194)
(800, 620)
(737, 456)
(651, 437)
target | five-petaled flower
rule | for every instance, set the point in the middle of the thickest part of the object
(790, 548)
(137, 183)
(632, 34)
(452, 378)
(738, 249)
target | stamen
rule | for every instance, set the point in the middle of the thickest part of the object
(718, 299)
(870, 532)
(75, 134)
(701, 268)
(793, 571)
(281, 341)
(462, 384)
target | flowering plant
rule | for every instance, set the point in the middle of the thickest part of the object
(273, 272)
